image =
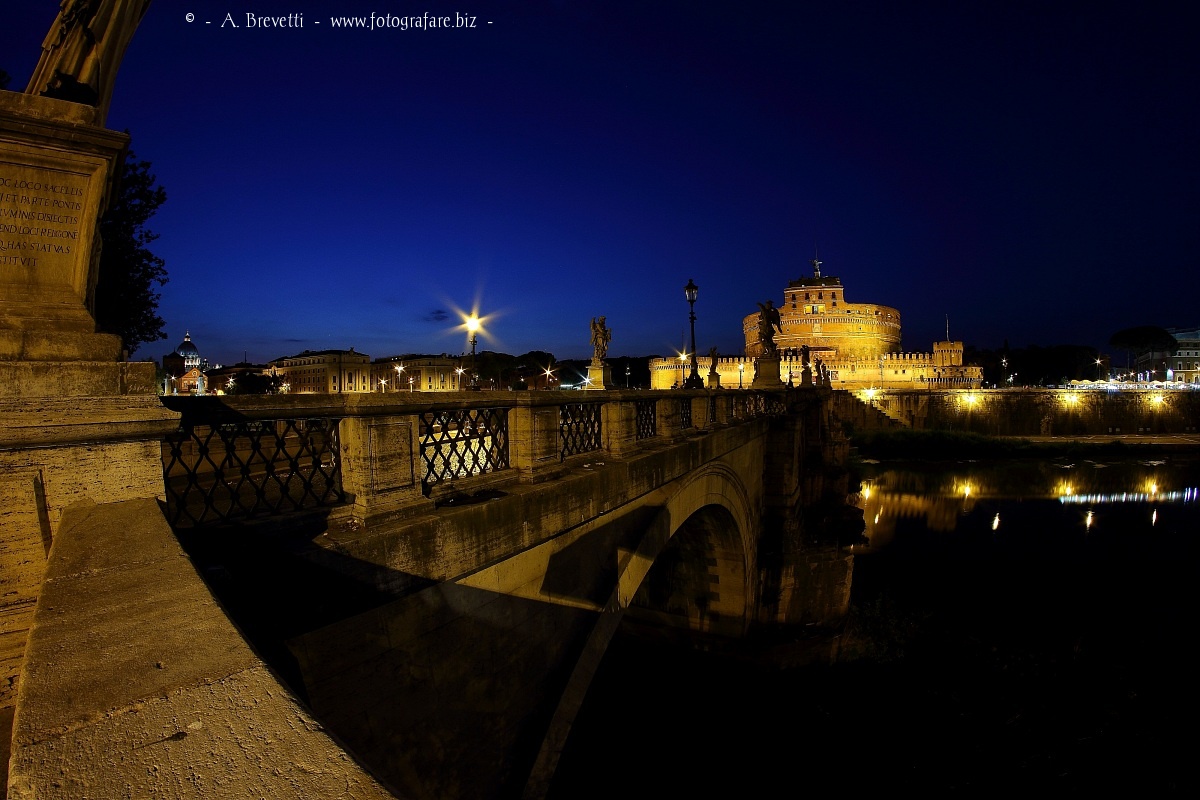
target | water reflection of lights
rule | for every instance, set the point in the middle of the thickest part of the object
(996, 521)
(1154, 517)
(1088, 522)
(1182, 496)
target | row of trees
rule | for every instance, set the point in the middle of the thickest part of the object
(1058, 364)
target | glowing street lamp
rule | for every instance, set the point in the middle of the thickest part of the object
(1097, 369)
(460, 371)
(690, 292)
(410, 383)
(682, 365)
(741, 371)
(473, 329)
(383, 384)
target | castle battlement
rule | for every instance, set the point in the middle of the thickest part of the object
(858, 344)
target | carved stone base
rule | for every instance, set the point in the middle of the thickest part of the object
(57, 169)
(766, 372)
(599, 377)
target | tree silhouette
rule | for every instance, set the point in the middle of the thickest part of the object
(1143, 339)
(126, 300)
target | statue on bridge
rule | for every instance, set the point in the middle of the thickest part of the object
(601, 336)
(768, 322)
(83, 50)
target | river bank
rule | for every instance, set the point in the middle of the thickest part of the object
(925, 445)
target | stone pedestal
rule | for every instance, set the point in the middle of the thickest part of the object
(766, 372)
(77, 424)
(714, 380)
(56, 176)
(599, 376)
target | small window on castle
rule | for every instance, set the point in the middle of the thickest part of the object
(820, 295)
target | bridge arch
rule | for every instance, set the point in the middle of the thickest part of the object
(709, 518)
(696, 564)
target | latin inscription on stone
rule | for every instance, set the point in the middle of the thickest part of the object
(41, 214)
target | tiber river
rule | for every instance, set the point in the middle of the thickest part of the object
(1026, 626)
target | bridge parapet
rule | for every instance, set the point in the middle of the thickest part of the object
(377, 455)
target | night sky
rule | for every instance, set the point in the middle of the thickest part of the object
(1030, 171)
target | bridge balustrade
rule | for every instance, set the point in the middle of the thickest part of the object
(685, 412)
(241, 457)
(216, 470)
(647, 418)
(578, 428)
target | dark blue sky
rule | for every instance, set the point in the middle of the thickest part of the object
(1030, 170)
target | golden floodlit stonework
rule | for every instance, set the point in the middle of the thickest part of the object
(849, 346)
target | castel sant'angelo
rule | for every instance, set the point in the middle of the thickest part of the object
(851, 345)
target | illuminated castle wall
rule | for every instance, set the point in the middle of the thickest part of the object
(815, 313)
(858, 343)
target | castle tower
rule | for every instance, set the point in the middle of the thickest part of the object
(815, 313)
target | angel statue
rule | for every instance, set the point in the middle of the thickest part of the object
(601, 336)
(83, 50)
(768, 322)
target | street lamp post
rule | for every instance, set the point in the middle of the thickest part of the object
(473, 327)
(682, 369)
(690, 291)
(741, 371)
(1097, 369)
(626, 375)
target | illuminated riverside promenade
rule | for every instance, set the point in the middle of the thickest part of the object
(1106, 411)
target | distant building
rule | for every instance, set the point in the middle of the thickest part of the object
(190, 382)
(417, 373)
(223, 379)
(323, 372)
(1184, 363)
(815, 313)
(184, 368)
(856, 344)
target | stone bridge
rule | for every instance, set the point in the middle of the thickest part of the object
(425, 618)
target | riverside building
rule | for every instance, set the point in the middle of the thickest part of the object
(857, 345)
